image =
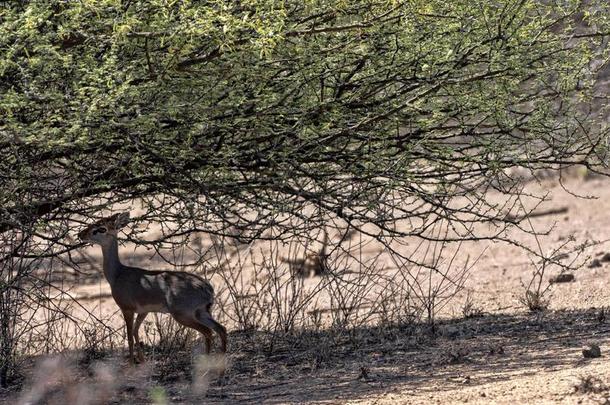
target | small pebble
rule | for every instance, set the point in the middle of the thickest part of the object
(594, 263)
(562, 278)
(591, 351)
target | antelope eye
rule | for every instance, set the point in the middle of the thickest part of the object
(99, 230)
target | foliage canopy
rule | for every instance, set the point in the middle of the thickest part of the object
(239, 117)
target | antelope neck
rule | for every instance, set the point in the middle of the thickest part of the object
(111, 266)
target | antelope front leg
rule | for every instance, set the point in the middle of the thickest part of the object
(128, 315)
(139, 319)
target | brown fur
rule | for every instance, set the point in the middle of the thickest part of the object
(186, 297)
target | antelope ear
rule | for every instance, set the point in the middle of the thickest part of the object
(121, 220)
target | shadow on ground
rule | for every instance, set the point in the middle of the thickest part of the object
(370, 361)
(338, 366)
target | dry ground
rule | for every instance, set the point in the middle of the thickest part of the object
(504, 355)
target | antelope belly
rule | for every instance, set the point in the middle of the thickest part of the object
(151, 308)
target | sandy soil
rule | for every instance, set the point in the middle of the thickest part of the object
(506, 354)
